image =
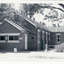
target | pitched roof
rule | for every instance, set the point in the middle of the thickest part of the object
(35, 23)
(56, 29)
(15, 25)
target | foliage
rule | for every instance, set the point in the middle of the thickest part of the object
(62, 5)
(4, 9)
(60, 47)
(31, 9)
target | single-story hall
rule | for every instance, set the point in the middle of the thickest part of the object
(27, 34)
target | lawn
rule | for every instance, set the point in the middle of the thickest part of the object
(19, 56)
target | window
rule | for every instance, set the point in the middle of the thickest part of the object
(2, 38)
(13, 38)
(58, 38)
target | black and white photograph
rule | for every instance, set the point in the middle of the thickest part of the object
(31, 31)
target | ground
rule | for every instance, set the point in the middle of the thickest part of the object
(30, 55)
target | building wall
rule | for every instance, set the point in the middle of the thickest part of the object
(32, 44)
(39, 39)
(42, 40)
(7, 29)
(53, 39)
(61, 37)
(11, 45)
(36, 39)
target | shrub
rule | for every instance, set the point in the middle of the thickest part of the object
(59, 47)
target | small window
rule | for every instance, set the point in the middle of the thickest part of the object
(58, 38)
(2, 38)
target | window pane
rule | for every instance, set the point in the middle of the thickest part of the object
(15, 38)
(58, 40)
(10, 37)
(2, 37)
(58, 36)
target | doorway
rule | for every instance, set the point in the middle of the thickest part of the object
(31, 42)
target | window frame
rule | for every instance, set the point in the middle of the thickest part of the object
(13, 38)
(57, 38)
(13, 41)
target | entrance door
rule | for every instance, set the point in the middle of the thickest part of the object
(26, 41)
(32, 42)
